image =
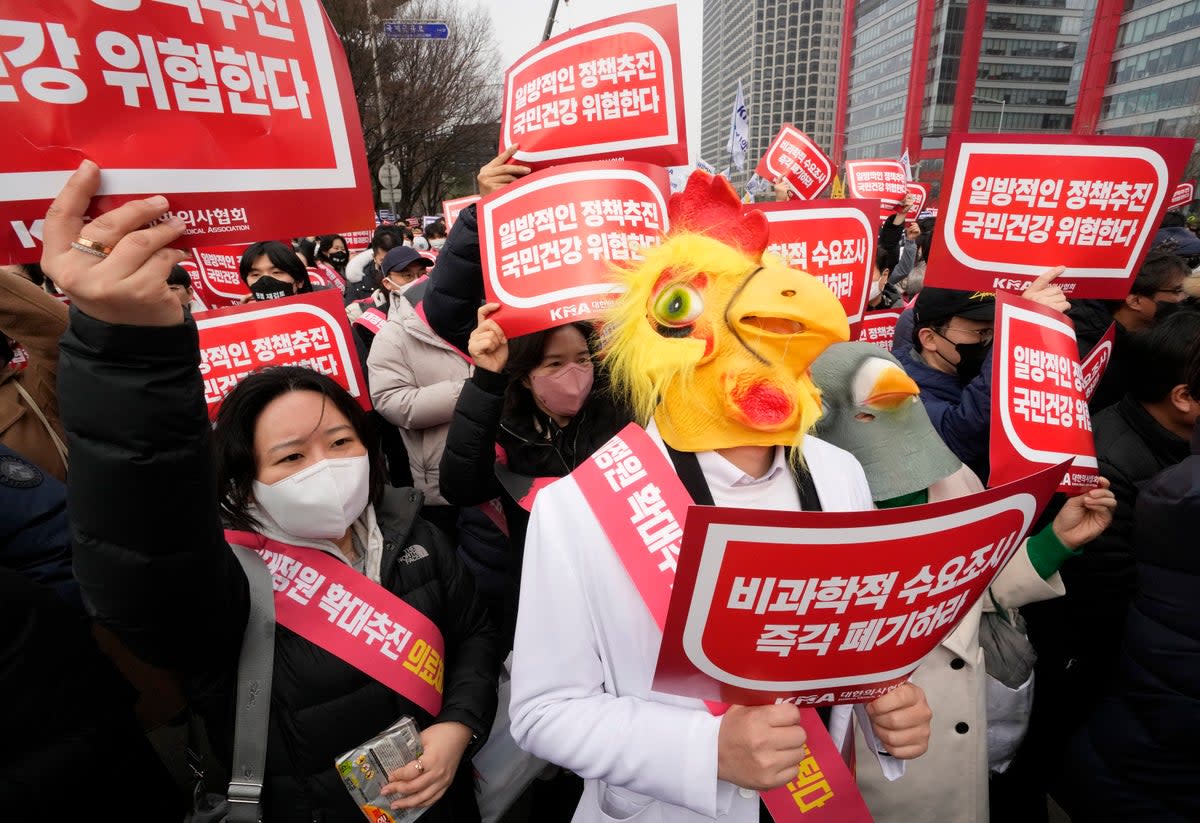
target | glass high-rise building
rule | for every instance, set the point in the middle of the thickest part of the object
(785, 53)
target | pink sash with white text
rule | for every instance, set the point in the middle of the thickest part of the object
(630, 476)
(331, 605)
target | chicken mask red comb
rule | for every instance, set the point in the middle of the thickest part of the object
(708, 205)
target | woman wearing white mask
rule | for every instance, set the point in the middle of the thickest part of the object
(296, 476)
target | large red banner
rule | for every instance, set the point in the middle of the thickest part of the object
(833, 240)
(879, 327)
(796, 157)
(610, 90)
(823, 607)
(1039, 412)
(242, 114)
(1014, 205)
(883, 180)
(451, 208)
(309, 330)
(550, 241)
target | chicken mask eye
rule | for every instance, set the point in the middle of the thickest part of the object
(678, 306)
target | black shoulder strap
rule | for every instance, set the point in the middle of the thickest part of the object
(688, 469)
(810, 501)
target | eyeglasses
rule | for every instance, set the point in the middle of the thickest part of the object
(984, 336)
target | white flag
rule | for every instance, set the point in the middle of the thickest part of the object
(739, 130)
(907, 167)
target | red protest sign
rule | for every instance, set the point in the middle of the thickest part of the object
(824, 607)
(794, 156)
(309, 330)
(879, 327)
(217, 269)
(1039, 413)
(1184, 193)
(609, 90)
(1093, 366)
(242, 114)
(357, 241)
(920, 194)
(833, 240)
(550, 240)
(451, 208)
(883, 180)
(1015, 205)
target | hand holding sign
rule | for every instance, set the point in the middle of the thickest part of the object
(128, 285)
(758, 747)
(900, 720)
(488, 345)
(1042, 290)
(499, 172)
(1085, 516)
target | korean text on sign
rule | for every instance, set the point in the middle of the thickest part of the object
(550, 242)
(260, 79)
(1016, 205)
(656, 525)
(605, 90)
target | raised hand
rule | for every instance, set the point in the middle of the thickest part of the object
(488, 345)
(499, 172)
(123, 278)
(1042, 290)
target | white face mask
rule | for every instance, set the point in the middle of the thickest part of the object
(875, 290)
(320, 502)
(437, 242)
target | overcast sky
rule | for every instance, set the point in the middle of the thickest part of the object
(519, 25)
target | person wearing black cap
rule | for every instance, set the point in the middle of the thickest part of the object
(951, 361)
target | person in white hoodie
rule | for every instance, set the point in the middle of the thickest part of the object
(415, 379)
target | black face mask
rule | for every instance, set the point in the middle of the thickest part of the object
(339, 258)
(268, 288)
(970, 360)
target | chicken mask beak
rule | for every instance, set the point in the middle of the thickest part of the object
(755, 389)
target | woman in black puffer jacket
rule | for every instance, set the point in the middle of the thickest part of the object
(150, 549)
(513, 430)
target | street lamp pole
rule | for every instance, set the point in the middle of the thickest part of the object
(1001, 102)
(550, 20)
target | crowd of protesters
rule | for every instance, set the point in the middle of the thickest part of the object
(124, 606)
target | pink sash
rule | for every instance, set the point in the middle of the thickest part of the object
(333, 606)
(630, 473)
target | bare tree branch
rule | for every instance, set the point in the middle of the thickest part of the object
(440, 101)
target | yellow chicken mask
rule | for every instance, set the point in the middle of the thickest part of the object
(714, 340)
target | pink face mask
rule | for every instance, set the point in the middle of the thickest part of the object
(563, 391)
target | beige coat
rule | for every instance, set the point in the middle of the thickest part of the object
(949, 783)
(415, 379)
(36, 321)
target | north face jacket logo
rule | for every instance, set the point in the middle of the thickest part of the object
(414, 553)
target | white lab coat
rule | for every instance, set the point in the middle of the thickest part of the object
(584, 657)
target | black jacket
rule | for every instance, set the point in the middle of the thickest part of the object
(34, 538)
(154, 566)
(533, 447)
(1141, 743)
(67, 729)
(456, 283)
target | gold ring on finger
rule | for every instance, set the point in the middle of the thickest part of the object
(92, 247)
